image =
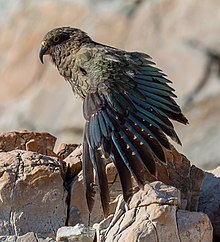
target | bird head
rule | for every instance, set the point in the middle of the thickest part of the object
(58, 39)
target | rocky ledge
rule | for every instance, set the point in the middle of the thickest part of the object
(42, 197)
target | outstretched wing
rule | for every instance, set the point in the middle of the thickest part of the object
(127, 120)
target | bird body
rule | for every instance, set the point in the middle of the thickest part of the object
(127, 105)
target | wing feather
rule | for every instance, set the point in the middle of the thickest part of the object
(127, 120)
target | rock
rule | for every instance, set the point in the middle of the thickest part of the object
(28, 237)
(153, 206)
(41, 142)
(153, 216)
(34, 202)
(113, 183)
(77, 233)
(32, 195)
(73, 163)
(78, 212)
(73, 182)
(201, 137)
(177, 172)
(209, 201)
(194, 226)
(65, 150)
(43, 101)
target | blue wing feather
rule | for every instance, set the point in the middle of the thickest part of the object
(127, 120)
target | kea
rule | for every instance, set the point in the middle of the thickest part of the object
(127, 104)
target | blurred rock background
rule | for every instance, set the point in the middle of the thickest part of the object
(183, 37)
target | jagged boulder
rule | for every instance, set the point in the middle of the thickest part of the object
(40, 142)
(41, 193)
(32, 196)
(209, 201)
(153, 215)
(177, 172)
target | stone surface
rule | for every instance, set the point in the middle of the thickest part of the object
(34, 96)
(41, 142)
(177, 172)
(186, 177)
(209, 201)
(78, 233)
(64, 150)
(201, 137)
(78, 212)
(73, 164)
(194, 226)
(35, 203)
(153, 216)
(158, 208)
(28, 237)
(32, 195)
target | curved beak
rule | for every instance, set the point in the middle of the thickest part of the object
(43, 50)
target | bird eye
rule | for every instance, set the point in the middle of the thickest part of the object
(56, 39)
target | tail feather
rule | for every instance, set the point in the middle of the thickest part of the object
(123, 172)
(88, 175)
(99, 166)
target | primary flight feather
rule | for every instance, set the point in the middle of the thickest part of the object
(127, 105)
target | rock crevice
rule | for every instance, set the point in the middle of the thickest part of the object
(40, 194)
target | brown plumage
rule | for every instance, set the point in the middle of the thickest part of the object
(127, 105)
